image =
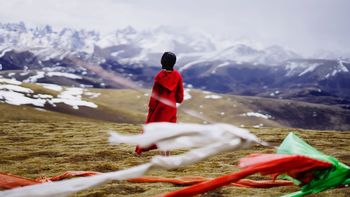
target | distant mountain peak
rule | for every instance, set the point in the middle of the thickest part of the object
(143, 47)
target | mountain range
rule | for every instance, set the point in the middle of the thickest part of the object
(84, 58)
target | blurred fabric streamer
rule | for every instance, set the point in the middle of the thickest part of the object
(208, 140)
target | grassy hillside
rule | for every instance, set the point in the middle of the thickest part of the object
(111, 106)
(46, 149)
(226, 109)
(130, 106)
(23, 113)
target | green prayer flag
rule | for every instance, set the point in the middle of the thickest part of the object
(335, 176)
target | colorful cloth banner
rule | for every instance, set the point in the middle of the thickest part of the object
(296, 161)
(335, 176)
(266, 164)
(211, 140)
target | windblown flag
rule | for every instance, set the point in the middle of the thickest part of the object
(248, 183)
(207, 139)
(9, 181)
(296, 160)
(337, 175)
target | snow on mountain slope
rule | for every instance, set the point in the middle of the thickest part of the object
(131, 46)
(45, 42)
(300, 68)
(322, 68)
(11, 92)
(340, 67)
(241, 53)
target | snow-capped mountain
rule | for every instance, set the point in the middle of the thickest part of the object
(322, 69)
(230, 66)
(130, 46)
(45, 42)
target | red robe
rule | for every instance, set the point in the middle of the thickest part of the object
(166, 92)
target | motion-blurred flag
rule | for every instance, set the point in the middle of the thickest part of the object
(208, 140)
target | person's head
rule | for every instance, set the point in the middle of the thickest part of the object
(168, 60)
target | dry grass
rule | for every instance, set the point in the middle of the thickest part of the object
(24, 113)
(45, 149)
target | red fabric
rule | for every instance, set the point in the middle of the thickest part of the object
(261, 183)
(166, 92)
(191, 180)
(274, 164)
(9, 181)
(68, 174)
(177, 181)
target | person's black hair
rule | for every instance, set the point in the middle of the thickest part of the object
(168, 61)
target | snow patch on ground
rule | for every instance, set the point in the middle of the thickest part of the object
(10, 81)
(275, 93)
(94, 94)
(72, 97)
(187, 95)
(85, 86)
(34, 78)
(40, 109)
(15, 88)
(24, 73)
(14, 94)
(258, 125)
(212, 96)
(61, 74)
(189, 86)
(42, 74)
(43, 96)
(49, 86)
(256, 114)
(206, 92)
(16, 98)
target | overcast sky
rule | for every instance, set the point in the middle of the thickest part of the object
(305, 26)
